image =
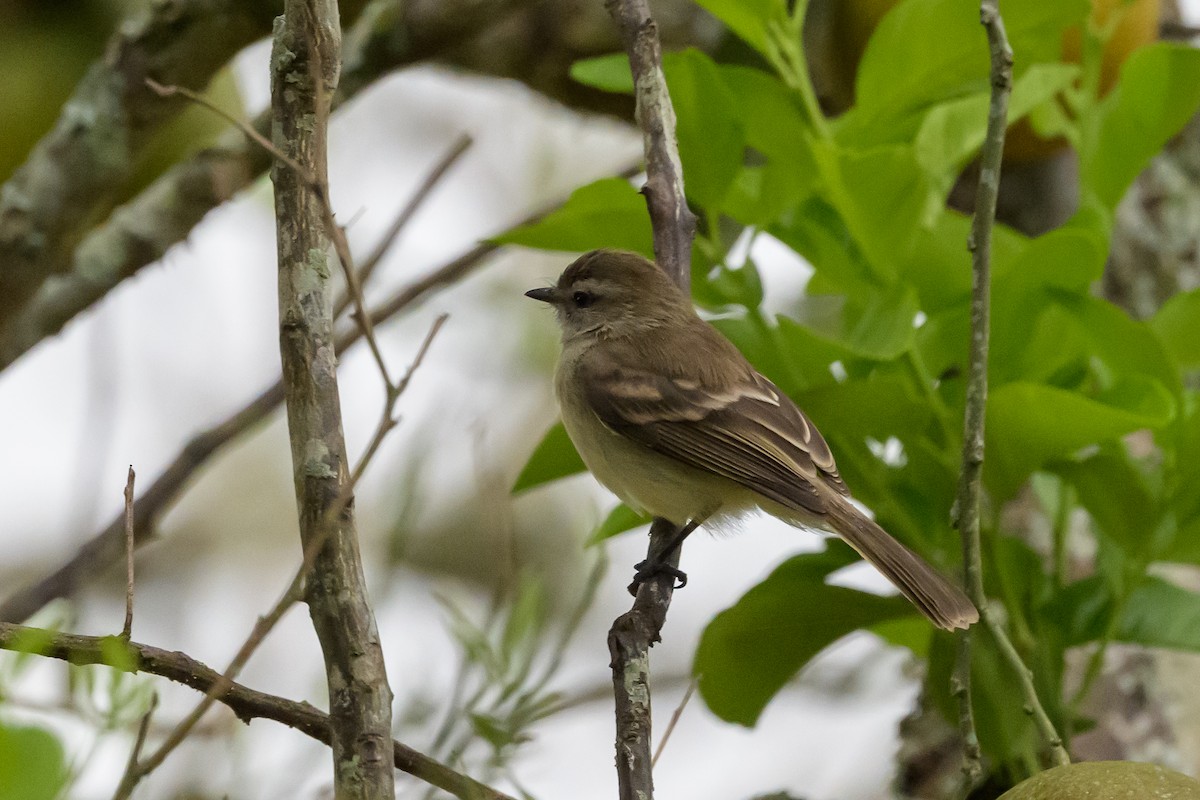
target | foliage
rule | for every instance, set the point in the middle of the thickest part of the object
(1088, 407)
(111, 699)
(500, 689)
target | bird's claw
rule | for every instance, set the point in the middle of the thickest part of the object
(645, 570)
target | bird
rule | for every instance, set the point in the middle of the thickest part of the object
(670, 416)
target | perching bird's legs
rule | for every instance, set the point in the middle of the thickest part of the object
(657, 564)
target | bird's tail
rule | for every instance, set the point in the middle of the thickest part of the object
(931, 592)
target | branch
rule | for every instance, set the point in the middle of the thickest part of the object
(970, 489)
(140, 232)
(246, 703)
(674, 224)
(127, 628)
(72, 176)
(106, 547)
(305, 60)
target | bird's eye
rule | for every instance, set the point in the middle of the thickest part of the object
(582, 299)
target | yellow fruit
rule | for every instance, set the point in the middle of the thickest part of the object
(1106, 780)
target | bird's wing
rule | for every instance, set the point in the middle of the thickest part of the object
(748, 430)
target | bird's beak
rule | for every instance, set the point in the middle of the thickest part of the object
(546, 294)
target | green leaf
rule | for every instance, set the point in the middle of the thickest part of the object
(554, 458)
(1177, 325)
(1082, 610)
(751, 650)
(1123, 344)
(620, 519)
(817, 231)
(1158, 92)
(607, 213)
(1004, 730)
(707, 126)
(32, 763)
(944, 55)
(939, 265)
(881, 194)
(118, 654)
(749, 19)
(1029, 424)
(809, 355)
(879, 327)
(27, 643)
(1070, 258)
(952, 132)
(775, 128)
(526, 617)
(722, 286)
(1160, 614)
(608, 73)
(1115, 494)
(912, 633)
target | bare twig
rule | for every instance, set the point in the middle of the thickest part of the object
(674, 225)
(418, 198)
(246, 703)
(130, 778)
(241, 124)
(127, 628)
(675, 715)
(106, 547)
(968, 503)
(319, 185)
(295, 588)
(386, 420)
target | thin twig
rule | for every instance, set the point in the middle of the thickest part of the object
(318, 184)
(386, 420)
(675, 715)
(241, 124)
(128, 779)
(106, 547)
(295, 589)
(418, 198)
(968, 503)
(246, 703)
(673, 223)
(127, 628)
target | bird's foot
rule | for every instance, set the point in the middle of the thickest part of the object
(645, 570)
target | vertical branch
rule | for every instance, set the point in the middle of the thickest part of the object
(674, 225)
(970, 490)
(304, 71)
(127, 629)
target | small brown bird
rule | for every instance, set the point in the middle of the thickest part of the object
(670, 416)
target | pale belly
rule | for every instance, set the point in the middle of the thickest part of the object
(647, 480)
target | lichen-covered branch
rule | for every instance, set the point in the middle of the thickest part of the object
(674, 225)
(72, 176)
(305, 61)
(140, 232)
(246, 703)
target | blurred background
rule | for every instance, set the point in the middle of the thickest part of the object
(188, 341)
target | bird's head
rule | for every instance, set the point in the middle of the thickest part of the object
(612, 293)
